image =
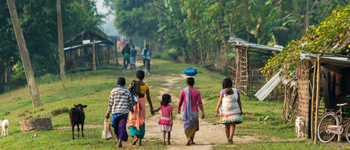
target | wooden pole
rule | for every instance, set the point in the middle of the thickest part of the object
(317, 95)
(313, 101)
(24, 55)
(238, 68)
(116, 49)
(60, 40)
(93, 56)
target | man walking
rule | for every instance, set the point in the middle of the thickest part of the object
(147, 53)
(120, 103)
(126, 54)
(133, 54)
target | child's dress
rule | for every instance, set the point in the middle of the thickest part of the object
(230, 111)
(164, 123)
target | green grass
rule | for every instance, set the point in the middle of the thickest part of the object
(277, 145)
(92, 88)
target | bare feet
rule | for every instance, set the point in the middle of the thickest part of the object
(188, 142)
(169, 143)
(140, 142)
(135, 140)
(163, 142)
(120, 144)
(230, 141)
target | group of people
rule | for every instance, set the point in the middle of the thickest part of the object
(123, 105)
(129, 56)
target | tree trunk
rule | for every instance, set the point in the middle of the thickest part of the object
(24, 55)
(307, 22)
(60, 40)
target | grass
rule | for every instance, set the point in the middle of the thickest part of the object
(92, 88)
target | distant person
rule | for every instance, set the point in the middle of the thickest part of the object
(165, 122)
(130, 42)
(190, 99)
(126, 54)
(231, 108)
(141, 46)
(120, 103)
(123, 43)
(133, 54)
(119, 44)
(146, 54)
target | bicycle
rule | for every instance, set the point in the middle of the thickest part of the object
(331, 124)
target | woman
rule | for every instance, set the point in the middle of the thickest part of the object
(231, 109)
(191, 100)
(137, 118)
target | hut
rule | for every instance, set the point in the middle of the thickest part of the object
(320, 60)
(89, 50)
(245, 68)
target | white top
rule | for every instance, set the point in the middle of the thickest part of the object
(229, 104)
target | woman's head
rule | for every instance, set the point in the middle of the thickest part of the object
(190, 81)
(166, 99)
(121, 81)
(229, 91)
(227, 83)
(140, 74)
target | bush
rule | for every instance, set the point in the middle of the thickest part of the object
(59, 111)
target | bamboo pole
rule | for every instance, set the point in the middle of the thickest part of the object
(317, 96)
(312, 101)
(116, 49)
(94, 56)
(60, 40)
(24, 55)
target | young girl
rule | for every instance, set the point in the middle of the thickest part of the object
(165, 122)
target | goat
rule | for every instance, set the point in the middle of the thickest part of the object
(299, 123)
(77, 116)
(5, 127)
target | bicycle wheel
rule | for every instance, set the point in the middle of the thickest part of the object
(347, 133)
(322, 133)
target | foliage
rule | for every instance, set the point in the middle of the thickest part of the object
(331, 36)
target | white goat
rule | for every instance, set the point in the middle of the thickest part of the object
(299, 123)
(5, 127)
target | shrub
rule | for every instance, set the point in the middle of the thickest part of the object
(59, 111)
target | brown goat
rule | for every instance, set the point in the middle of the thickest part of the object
(77, 116)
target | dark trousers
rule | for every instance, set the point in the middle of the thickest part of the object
(148, 64)
(126, 62)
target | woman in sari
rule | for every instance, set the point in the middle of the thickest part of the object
(190, 98)
(137, 118)
(231, 109)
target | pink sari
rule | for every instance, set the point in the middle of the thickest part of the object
(138, 118)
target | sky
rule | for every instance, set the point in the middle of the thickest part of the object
(108, 27)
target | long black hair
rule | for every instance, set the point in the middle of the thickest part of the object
(165, 100)
(227, 83)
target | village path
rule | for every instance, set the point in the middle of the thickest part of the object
(208, 135)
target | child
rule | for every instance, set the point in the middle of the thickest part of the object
(165, 123)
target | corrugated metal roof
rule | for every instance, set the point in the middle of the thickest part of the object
(82, 46)
(342, 61)
(268, 87)
(237, 42)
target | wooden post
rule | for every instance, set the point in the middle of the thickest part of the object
(60, 40)
(24, 55)
(93, 56)
(317, 95)
(116, 49)
(248, 75)
(238, 68)
(312, 101)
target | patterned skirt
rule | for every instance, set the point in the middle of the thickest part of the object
(164, 128)
(231, 119)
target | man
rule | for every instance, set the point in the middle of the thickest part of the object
(133, 54)
(126, 54)
(146, 54)
(120, 103)
(141, 46)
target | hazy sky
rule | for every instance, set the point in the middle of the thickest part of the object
(100, 8)
(108, 27)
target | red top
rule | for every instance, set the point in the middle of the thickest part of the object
(165, 119)
(123, 43)
(195, 100)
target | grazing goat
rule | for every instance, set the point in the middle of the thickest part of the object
(5, 127)
(77, 116)
(299, 123)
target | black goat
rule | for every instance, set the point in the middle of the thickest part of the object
(77, 116)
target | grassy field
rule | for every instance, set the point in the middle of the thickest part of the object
(93, 88)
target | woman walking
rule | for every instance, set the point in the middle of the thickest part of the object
(190, 99)
(120, 103)
(231, 109)
(137, 118)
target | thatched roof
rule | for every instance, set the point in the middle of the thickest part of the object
(330, 36)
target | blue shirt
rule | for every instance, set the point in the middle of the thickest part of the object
(133, 52)
(148, 54)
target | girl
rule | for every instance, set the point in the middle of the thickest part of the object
(165, 122)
